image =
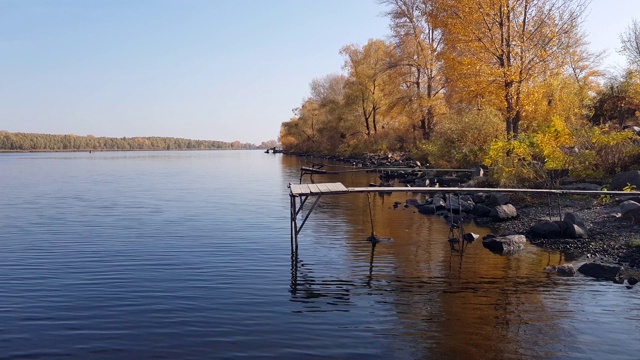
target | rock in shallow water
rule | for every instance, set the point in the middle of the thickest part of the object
(504, 244)
(600, 271)
(561, 270)
(565, 270)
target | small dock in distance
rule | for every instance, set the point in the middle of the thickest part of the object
(302, 192)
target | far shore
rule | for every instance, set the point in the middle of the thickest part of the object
(109, 150)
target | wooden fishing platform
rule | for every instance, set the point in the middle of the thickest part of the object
(302, 192)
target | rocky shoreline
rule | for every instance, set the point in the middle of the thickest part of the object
(610, 236)
(603, 235)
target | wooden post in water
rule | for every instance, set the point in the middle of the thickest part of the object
(291, 214)
(373, 234)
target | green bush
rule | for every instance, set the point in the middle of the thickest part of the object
(461, 139)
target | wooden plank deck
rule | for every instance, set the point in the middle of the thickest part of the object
(339, 188)
(317, 189)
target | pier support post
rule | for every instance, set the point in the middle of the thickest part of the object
(292, 207)
(295, 211)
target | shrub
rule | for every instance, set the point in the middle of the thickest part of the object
(461, 139)
(604, 151)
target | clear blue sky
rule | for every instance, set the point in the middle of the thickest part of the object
(200, 69)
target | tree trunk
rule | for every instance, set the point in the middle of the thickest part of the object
(375, 125)
(366, 118)
(516, 123)
(430, 123)
(423, 127)
(510, 109)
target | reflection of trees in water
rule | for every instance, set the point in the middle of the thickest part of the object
(463, 304)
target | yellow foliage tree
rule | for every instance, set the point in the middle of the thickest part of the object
(498, 50)
(368, 68)
(418, 43)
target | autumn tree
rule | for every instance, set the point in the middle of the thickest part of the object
(499, 50)
(368, 69)
(324, 121)
(630, 40)
(417, 45)
(337, 113)
(618, 100)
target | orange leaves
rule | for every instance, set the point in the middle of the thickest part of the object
(501, 48)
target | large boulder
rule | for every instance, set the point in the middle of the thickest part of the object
(504, 244)
(562, 225)
(481, 210)
(456, 203)
(574, 219)
(600, 271)
(497, 199)
(575, 232)
(438, 203)
(427, 209)
(503, 212)
(546, 229)
(480, 197)
(632, 215)
(631, 197)
(628, 206)
(576, 227)
(621, 180)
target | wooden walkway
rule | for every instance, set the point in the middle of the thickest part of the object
(298, 190)
(302, 192)
(318, 189)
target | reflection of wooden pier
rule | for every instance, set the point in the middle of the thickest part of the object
(302, 192)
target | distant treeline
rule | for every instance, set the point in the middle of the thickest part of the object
(45, 142)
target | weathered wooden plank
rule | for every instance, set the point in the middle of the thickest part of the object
(313, 189)
(298, 189)
(324, 188)
(337, 187)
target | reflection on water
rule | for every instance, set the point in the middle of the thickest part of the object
(449, 296)
(186, 255)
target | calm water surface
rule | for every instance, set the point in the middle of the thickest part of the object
(179, 255)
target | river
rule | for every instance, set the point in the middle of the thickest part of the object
(186, 255)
